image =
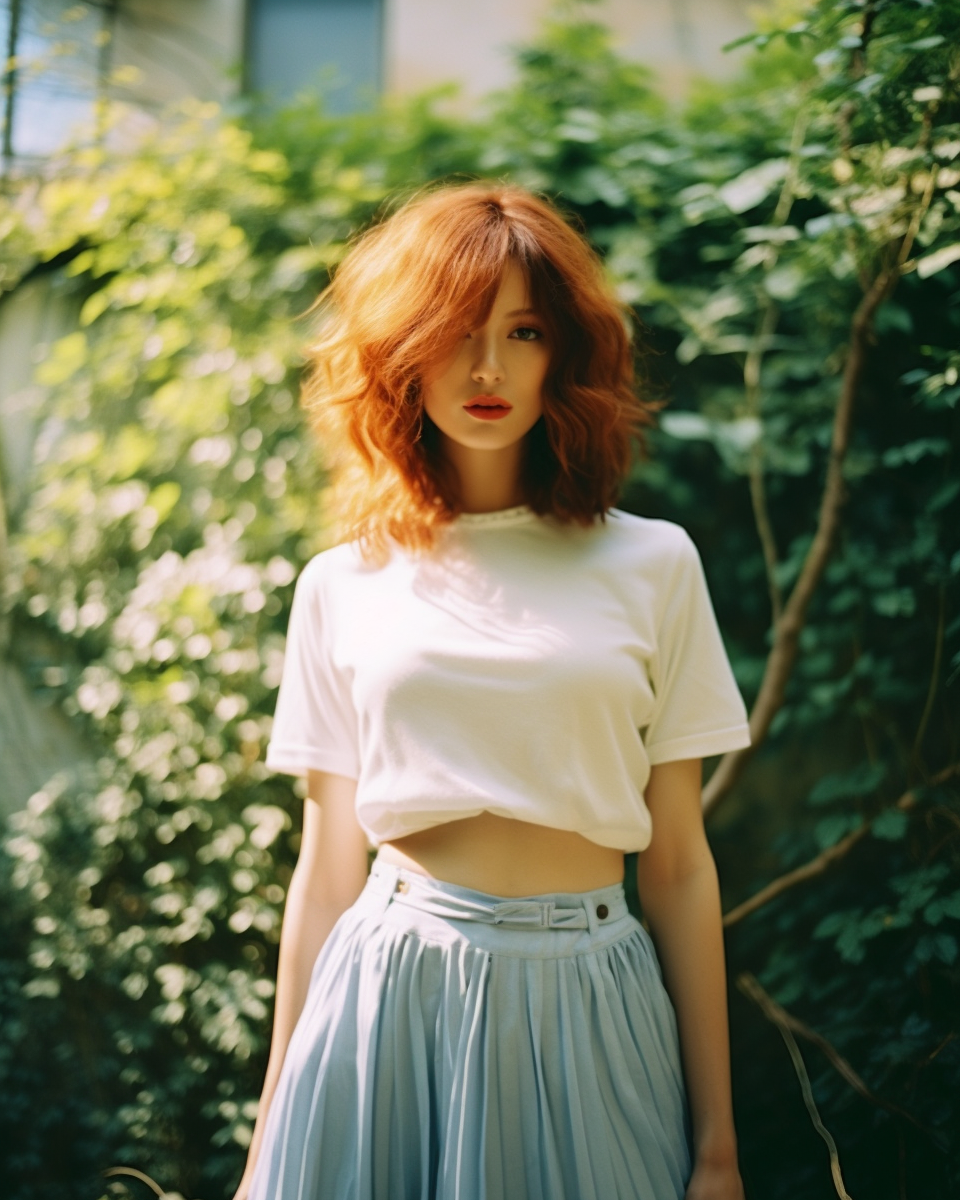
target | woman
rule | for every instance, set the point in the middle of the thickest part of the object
(504, 684)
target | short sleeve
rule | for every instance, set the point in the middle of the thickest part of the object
(698, 710)
(314, 723)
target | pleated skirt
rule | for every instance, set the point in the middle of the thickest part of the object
(458, 1045)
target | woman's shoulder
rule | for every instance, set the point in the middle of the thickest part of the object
(648, 541)
(341, 560)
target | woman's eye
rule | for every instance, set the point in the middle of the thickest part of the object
(526, 333)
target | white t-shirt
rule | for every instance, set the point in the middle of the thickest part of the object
(524, 667)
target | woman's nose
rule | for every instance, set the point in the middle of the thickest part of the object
(487, 367)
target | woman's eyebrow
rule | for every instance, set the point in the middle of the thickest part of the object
(523, 312)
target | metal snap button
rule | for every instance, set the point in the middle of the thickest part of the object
(602, 911)
(402, 885)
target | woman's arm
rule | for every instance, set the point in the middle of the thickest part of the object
(680, 896)
(330, 873)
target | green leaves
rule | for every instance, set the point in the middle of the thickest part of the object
(854, 928)
(754, 185)
(176, 492)
(733, 439)
(828, 831)
(856, 784)
(890, 825)
(930, 264)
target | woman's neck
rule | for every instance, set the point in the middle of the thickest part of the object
(489, 479)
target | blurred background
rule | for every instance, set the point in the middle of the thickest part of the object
(776, 192)
(67, 54)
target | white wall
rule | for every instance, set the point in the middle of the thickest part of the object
(433, 41)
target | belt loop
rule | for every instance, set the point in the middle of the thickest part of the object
(383, 883)
(593, 924)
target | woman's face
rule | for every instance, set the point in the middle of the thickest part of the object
(489, 393)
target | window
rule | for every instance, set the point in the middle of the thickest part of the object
(334, 45)
(54, 54)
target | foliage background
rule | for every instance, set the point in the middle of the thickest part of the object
(175, 496)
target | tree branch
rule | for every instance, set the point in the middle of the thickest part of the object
(753, 364)
(135, 1174)
(786, 637)
(816, 866)
(48, 266)
(748, 984)
(789, 1024)
(903, 265)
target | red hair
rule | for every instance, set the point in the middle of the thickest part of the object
(398, 303)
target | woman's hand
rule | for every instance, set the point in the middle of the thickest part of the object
(714, 1181)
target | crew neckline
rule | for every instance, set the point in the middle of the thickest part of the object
(519, 514)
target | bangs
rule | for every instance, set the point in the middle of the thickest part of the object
(475, 274)
(550, 297)
(472, 266)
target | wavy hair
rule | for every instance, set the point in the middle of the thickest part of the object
(398, 304)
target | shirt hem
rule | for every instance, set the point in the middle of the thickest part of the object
(609, 838)
(297, 760)
(700, 745)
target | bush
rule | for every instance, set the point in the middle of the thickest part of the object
(790, 246)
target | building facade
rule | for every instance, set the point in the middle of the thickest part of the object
(61, 56)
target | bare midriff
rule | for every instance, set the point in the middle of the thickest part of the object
(506, 857)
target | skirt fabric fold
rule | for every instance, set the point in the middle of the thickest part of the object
(456, 1045)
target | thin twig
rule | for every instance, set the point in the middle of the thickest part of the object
(816, 866)
(858, 56)
(944, 1042)
(797, 136)
(768, 544)
(758, 492)
(136, 1175)
(787, 630)
(934, 676)
(748, 984)
(826, 858)
(903, 265)
(757, 486)
(786, 640)
(753, 364)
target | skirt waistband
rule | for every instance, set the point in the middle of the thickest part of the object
(593, 910)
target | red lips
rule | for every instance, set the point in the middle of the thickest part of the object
(488, 408)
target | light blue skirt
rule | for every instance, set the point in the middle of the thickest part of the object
(456, 1045)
